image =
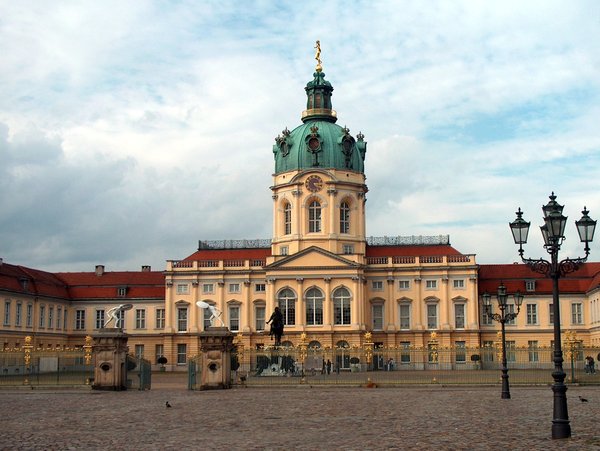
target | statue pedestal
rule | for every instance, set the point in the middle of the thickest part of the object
(216, 344)
(110, 354)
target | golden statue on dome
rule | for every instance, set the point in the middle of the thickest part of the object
(318, 68)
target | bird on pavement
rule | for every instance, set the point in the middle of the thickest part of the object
(167, 404)
(583, 399)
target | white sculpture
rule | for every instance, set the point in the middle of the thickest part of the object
(114, 315)
(214, 312)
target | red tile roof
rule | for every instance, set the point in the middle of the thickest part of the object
(413, 251)
(139, 284)
(229, 254)
(514, 276)
(30, 281)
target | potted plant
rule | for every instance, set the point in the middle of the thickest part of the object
(354, 364)
(162, 360)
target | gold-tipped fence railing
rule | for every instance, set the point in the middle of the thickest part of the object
(31, 366)
(389, 366)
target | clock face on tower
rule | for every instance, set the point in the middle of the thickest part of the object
(314, 183)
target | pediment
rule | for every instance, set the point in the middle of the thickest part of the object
(313, 257)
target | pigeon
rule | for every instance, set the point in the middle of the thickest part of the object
(583, 399)
(168, 405)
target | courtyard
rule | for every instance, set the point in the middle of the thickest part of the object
(294, 417)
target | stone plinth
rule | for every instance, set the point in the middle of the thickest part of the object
(110, 355)
(216, 344)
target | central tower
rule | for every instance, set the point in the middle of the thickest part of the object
(319, 183)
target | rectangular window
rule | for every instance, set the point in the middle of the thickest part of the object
(65, 317)
(29, 317)
(234, 318)
(159, 351)
(461, 351)
(140, 318)
(432, 316)
(576, 313)
(182, 314)
(377, 285)
(533, 351)
(181, 354)
(532, 314)
(431, 284)
(50, 317)
(260, 288)
(234, 287)
(284, 250)
(7, 313)
(160, 318)
(404, 284)
(530, 285)
(510, 308)
(458, 284)
(551, 313)
(287, 219)
(348, 249)
(459, 316)
(58, 317)
(260, 311)
(405, 316)
(377, 316)
(206, 322)
(405, 352)
(208, 288)
(99, 319)
(42, 317)
(183, 288)
(486, 311)
(488, 351)
(19, 314)
(79, 319)
(511, 354)
(139, 351)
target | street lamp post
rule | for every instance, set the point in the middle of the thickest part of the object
(553, 232)
(503, 317)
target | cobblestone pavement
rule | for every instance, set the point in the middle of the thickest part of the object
(304, 418)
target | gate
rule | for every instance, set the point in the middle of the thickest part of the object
(194, 369)
(139, 373)
(46, 367)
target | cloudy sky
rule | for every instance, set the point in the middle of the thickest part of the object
(130, 130)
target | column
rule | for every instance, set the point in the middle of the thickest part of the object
(356, 307)
(247, 307)
(389, 306)
(473, 304)
(301, 307)
(327, 305)
(221, 301)
(194, 308)
(418, 305)
(445, 305)
(169, 329)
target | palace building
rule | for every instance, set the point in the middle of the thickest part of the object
(332, 282)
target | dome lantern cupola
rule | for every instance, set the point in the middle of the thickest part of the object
(318, 92)
(319, 142)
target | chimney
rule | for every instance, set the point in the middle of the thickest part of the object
(146, 268)
(99, 270)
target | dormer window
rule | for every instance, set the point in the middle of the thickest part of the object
(530, 285)
(122, 291)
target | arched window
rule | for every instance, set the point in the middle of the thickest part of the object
(344, 218)
(287, 218)
(287, 304)
(341, 306)
(342, 355)
(314, 217)
(314, 307)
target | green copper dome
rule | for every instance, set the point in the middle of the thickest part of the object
(319, 142)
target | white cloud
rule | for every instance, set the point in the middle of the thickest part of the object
(135, 129)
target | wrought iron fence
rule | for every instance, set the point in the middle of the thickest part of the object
(139, 373)
(40, 367)
(402, 366)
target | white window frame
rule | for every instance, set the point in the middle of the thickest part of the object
(140, 318)
(404, 284)
(234, 313)
(42, 318)
(99, 318)
(183, 288)
(7, 308)
(576, 313)
(458, 284)
(260, 288)
(181, 353)
(287, 219)
(260, 312)
(234, 287)
(460, 315)
(18, 314)
(208, 288)
(80, 319)
(531, 314)
(404, 311)
(431, 307)
(377, 285)
(313, 299)
(344, 217)
(160, 318)
(342, 306)
(314, 217)
(431, 284)
(378, 315)
(182, 319)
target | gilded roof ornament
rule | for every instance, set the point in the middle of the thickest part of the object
(318, 68)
